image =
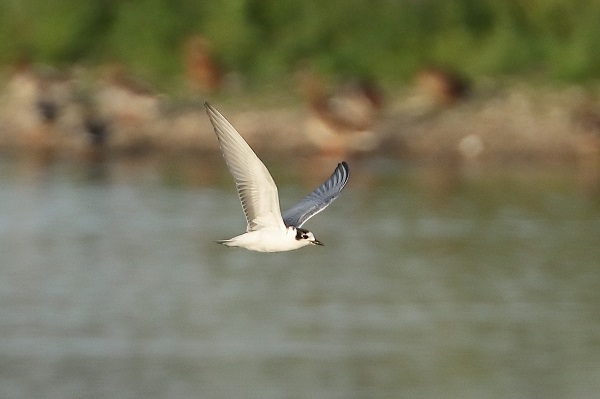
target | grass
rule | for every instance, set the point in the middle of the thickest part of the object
(265, 40)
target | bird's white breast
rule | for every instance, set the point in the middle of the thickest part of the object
(268, 240)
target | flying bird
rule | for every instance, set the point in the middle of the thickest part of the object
(269, 230)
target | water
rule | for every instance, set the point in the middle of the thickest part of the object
(434, 282)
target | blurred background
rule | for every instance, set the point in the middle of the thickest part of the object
(461, 260)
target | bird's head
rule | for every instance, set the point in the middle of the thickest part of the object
(305, 235)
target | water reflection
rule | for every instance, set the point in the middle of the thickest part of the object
(434, 282)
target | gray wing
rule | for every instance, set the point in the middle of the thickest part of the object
(255, 186)
(319, 199)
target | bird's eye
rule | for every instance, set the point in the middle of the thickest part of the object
(305, 237)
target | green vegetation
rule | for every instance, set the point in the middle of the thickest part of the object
(265, 39)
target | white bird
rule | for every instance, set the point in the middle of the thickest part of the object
(268, 230)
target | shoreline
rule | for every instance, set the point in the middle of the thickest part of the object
(517, 122)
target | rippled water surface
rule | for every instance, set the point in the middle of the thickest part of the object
(435, 282)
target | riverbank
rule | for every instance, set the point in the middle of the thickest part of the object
(496, 122)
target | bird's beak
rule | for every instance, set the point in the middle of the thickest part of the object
(317, 242)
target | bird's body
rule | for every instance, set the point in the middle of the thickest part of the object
(269, 240)
(267, 229)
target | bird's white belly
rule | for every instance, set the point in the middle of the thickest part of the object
(267, 241)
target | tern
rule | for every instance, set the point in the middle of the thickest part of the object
(268, 230)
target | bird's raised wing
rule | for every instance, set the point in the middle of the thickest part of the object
(255, 186)
(319, 199)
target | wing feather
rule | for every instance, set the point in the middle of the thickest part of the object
(255, 186)
(319, 199)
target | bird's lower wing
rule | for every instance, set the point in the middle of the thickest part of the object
(319, 199)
